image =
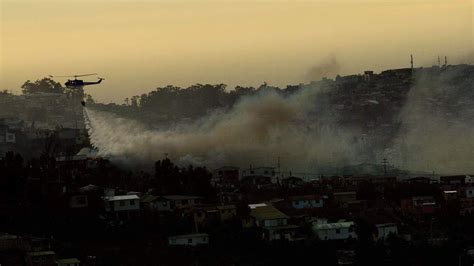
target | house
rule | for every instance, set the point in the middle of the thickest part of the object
(450, 195)
(453, 179)
(43, 258)
(68, 262)
(189, 240)
(383, 230)
(208, 214)
(122, 203)
(227, 176)
(123, 206)
(306, 202)
(155, 203)
(334, 231)
(273, 222)
(260, 175)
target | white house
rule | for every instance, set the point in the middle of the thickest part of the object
(68, 262)
(383, 230)
(189, 240)
(334, 231)
(268, 172)
(273, 222)
(306, 202)
(122, 203)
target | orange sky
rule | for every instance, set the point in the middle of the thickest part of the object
(141, 45)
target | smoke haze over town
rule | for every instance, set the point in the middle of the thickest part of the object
(225, 133)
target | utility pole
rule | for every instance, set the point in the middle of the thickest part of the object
(384, 163)
(279, 171)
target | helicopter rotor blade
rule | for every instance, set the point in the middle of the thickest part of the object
(83, 75)
(73, 76)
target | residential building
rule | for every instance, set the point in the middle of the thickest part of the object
(122, 203)
(454, 179)
(383, 230)
(273, 222)
(449, 195)
(306, 202)
(334, 231)
(227, 176)
(208, 214)
(43, 258)
(260, 174)
(68, 262)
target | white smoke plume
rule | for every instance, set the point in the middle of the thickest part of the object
(299, 128)
(327, 68)
(437, 119)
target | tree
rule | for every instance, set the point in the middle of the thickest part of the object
(46, 85)
(89, 99)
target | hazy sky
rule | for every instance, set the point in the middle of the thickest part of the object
(145, 44)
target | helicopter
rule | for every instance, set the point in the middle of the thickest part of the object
(78, 83)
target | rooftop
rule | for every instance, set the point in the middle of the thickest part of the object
(122, 197)
(180, 197)
(329, 226)
(267, 212)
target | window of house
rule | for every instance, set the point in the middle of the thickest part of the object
(190, 240)
(184, 202)
(122, 203)
(338, 231)
(204, 239)
(132, 202)
(252, 172)
(266, 172)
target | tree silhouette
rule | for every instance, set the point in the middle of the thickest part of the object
(46, 85)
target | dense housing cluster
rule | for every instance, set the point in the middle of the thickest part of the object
(61, 204)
